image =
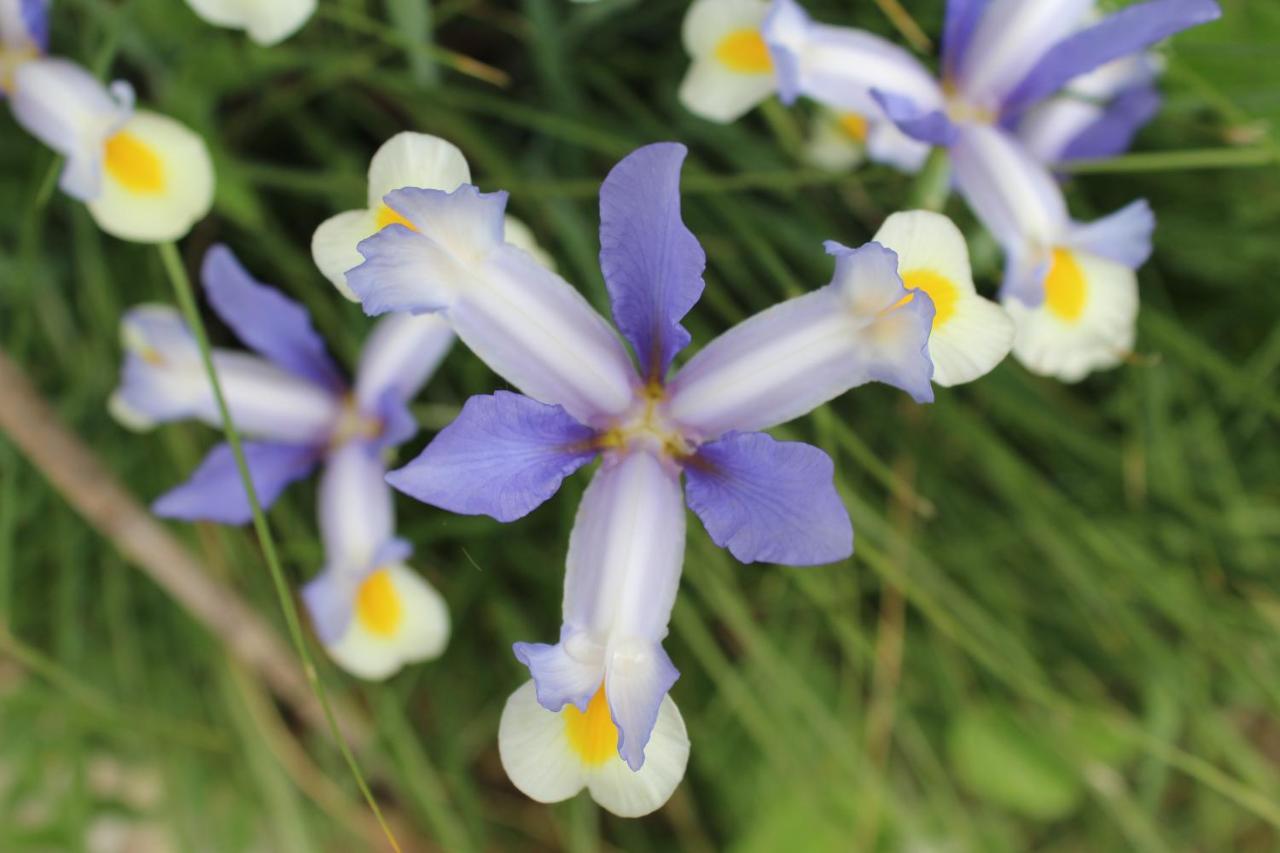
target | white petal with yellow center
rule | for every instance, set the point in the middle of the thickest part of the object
(837, 141)
(970, 335)
(398, 618)
(157, 180)
(552, 755)
(731, 71)
(267, 22)
(1086, 322)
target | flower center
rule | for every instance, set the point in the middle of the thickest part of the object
(592, 736)
(744, 51)
(354, 425)
(941, 290)
(378, 604)
(853, 126)
(134, 164)
(647, 425)
(388, 216)
(1064, 287)
(961, 111)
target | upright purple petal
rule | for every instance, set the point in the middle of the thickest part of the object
(215, 491)
(32, 24)
(769, 501)
(1010, 38)
(1113, 133)
(962, 19)
(652, 263)
(267, 320)
(503, 456)
(1127, 31)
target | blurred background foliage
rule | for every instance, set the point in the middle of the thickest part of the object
(1059, 631)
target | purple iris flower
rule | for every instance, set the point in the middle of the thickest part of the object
(763, 499)
(24, 35)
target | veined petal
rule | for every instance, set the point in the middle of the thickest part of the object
(652, 263)
(1011, 37)
(1123, 236)
(503, 456)
(400, 355)
(550, 756)
(840, 66)
(68, 109)
(417, 160)
(266, 320)
(216, 492)
(268, 22)
(397, 618)
(1128, 31)
(769, 501)
(355, 507)
(793, 357)
(711, 91)
(963, 17)
(1112, 132)
(334, 246)
(1016, 198)
(1086, 321)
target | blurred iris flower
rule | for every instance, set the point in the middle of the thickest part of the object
(598, 703)
(143, 176)
(24, 36)
(297, 411)
(268, 22)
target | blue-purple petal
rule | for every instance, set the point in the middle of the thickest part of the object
(266, 320)
(215, 491)
(962, 20)
(652, 263)
(1113, 132)
(931, 126)
(1123, 236)
(35, 17)
(558, 677)
(769, 501)
(503, 456)
(1126, 32)
(636, 682)
(330, 601)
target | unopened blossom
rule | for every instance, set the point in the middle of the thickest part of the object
(296, 411)
(267, 22)
(663, 442)
(24, 36)
(406, 160)
(143, 176)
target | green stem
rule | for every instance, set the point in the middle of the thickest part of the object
(186, 301)
(1172, 161)
(933, 184)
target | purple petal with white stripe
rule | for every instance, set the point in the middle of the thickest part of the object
(215, 491)
(1127, 31)
(503, 456)
(962, 19)
(651, 262)
(1113, 133)
(266, 320)
(401, 353)
(769, 501)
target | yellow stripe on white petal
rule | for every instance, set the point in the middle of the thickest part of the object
(397, 618)
(1086, 322)
(157, 180)
(970, 335)
(552, 755)
(267, 22)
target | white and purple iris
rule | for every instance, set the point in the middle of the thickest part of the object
(24, 36)
(297, 411)
(763, 499)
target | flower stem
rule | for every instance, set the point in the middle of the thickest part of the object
(187, 303)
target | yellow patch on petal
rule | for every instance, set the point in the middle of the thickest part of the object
(744, 51)
(134, 164)
(593, 736)
(388, 216)
(941, 290)
(853, 126)
(1064, 287)
(378, 604)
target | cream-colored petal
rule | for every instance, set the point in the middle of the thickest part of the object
(333, 246)
(421, 633)
(416, 160)
(629, 793)
(533, 744)
(928, 241)
(709, 21)
(267, 22)
(713, 92)
(518, 234)
(830, 146)
(971, 343)
(163, 197)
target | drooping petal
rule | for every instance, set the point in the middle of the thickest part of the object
(1123, 236)
(68, 109)
(534, 746)
(651, 261)
(1016, 198)
(769, 501)
(503, 456)
(930, 126)
(1112, 133)
(567, 673)
(164, 379)
(398, 618)
(417, 160)
(1010, 38)
(355, 508)
(1128, 31)
(215, 491)
(400, 355)
(637, 680)
(887, 144)
(840, 66)
(266, 320)
(793, 357)
(334, 246)
(711, 91)
(625, 792)
(267, 22)
(962, 20)
(330, 599)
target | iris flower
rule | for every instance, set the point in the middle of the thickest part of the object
(597, 714)
(24, 36)
(143, 176)
(267, 22)
(297, 411)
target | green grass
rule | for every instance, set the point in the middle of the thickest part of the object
(1060, 629)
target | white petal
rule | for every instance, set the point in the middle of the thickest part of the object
(333, 246)
(1099, 336)
(889, 145)
(158, 180)
(400, 355)
(420, 632)
(976, 337)
(716, 93)
(927, 242)
(354, 507)
(1010, 38)
(521, 236)
(633, 794)
(535, 750)
(267, 22)
(708, 21)
(831, 147)
(416, 160)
